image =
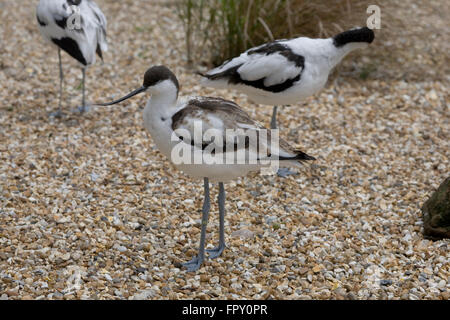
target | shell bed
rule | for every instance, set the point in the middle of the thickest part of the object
(88, 197)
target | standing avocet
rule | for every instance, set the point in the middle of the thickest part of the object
(284, 72)
(77, 27)
(172, 123)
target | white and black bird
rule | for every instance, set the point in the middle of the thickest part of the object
(172, 123)
(77, 27)
(285, 72)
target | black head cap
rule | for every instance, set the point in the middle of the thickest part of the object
(355, 35)
(156, 74)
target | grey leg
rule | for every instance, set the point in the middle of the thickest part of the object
(282, 172)
(273, 121)
(195, 263)
(84, 88)
(83, 108)
(216, 252)
(58, 114)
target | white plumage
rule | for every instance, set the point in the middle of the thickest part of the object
(286, 71)
(77, 27)
(165, 115)
(53, 16)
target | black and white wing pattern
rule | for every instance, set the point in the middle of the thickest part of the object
(218, 115)
(76, 26)
(272, 67)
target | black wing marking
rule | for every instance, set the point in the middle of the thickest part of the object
(41, 21)
(99, 51)
(282, 49)
(233, 76)
(71, 47)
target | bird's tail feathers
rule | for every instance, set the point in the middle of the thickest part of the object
(299, 156)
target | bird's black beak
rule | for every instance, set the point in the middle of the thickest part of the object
(128, 96)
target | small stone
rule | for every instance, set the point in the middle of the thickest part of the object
(66, 256)
(243, 233)
(215, 279)
(108, 277)
(428, 271)
(236, 286)
(303, 270)
(351, 296)
(385, 282)
(275, 270)
(12, 293)
(270, 219)
(317, 268)
(121, 248)
(76, 256)
(432, 95)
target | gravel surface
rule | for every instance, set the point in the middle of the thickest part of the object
(89, 209)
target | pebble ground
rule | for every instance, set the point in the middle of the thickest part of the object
(89, 209)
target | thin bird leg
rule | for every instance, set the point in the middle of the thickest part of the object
(58, 114)
(273, 121)
(83, 107)
(216, 252)
(84, 88)
(195, 263)
(282, 172)
(61, 79)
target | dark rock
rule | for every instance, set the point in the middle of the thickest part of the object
(141, 270)
(436, 213)
(385, 282)
(275, 270)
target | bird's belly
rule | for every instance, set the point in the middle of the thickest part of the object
(299, 91)
(217, 172)
(197, 166)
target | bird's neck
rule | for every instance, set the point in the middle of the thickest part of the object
(339, 53)
(163, 103)
(157, 118)
(160, 107)
(163, 99)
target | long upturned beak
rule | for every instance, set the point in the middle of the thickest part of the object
(128, 96)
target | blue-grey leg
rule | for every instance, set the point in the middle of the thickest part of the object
(196, 262)
(282, 172)
(273, 121)
(216, 252)
(83, 108)
(58, 113)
